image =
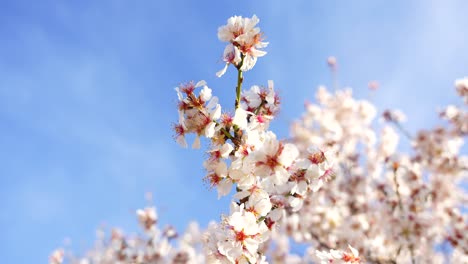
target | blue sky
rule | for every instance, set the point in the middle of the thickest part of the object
(87, 97)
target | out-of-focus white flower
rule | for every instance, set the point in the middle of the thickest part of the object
(332, 62)
(394, 116)
(389, 142)
(373, 85)
(147, 218)
(338, 256)
(56, 257)
(462, 88)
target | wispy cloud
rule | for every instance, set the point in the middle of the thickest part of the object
(85, 96)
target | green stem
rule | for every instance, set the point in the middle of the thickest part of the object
(225, 132)
(240, 79)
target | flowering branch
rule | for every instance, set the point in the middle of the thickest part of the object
(332, 185)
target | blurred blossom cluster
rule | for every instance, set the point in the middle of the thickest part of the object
(338, 185)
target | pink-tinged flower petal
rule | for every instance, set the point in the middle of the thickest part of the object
(210, 130)
(354, 251)
(205, 93)
(181, 141)
(212, 103)
(179, 94)
(240, 118)
(216, 112)
(196, 143)
(249, 63)
(257, 53)
(281, 176)
(226, 149)
(200, 83)
(251, 245)
(224, 188)
(222, 71)
(294, 202)
(288, 155)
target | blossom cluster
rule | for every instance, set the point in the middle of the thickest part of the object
(153, 246)
(245, 43)
(269, 175)
(391, 206)
(339, 182)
